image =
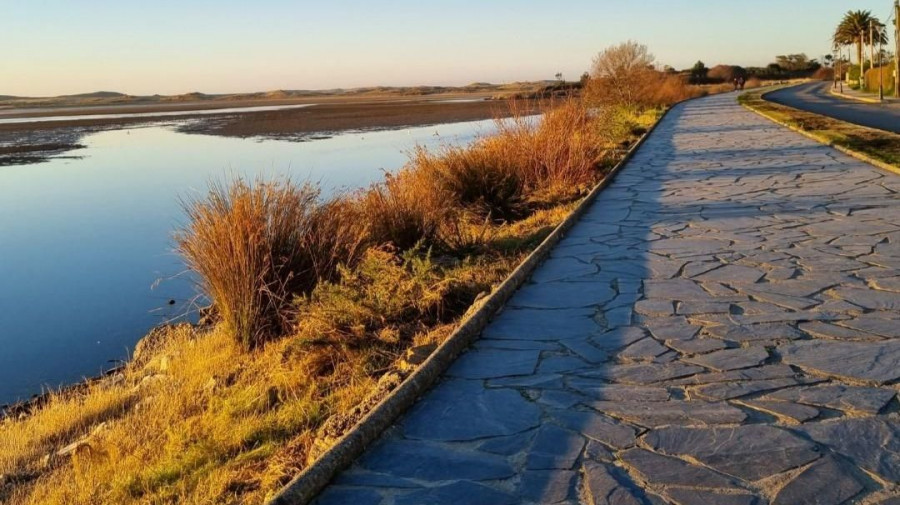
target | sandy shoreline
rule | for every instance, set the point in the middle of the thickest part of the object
(23, 143)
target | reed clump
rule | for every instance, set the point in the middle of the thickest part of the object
(254, 245)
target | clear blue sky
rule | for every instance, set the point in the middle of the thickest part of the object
(54, 47)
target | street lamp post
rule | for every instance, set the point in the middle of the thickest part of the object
(835, 72)
(880, 71)
(842, 69)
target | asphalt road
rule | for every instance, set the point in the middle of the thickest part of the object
(814, 97)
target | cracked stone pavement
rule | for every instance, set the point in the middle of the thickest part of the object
(721, 327)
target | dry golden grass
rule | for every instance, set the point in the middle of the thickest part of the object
(405, 209)
(254, 245)
(653, 89)
(204, 421)
(198, 418)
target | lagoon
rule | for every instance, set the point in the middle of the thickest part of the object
(86, 259)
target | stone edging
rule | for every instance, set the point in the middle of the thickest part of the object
(303, 488)
(849, 152)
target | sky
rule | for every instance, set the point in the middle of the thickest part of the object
(52, 47)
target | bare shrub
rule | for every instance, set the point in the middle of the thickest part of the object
(616, 69)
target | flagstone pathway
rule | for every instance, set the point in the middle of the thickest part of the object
(721, 328)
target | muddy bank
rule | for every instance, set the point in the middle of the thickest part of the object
(23, 143)
(328, 119)
(25, 147)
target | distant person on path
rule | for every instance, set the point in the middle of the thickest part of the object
(741, 82)
(736, 84)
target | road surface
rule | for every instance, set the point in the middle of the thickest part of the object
(814, 97)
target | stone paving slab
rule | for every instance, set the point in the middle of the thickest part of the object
(721, 328)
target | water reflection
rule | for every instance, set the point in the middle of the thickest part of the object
(198, 112)
(82, 241)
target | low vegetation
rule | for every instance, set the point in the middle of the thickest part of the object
(321, 307)
(625, 74)
(880, 77)
(877, 144)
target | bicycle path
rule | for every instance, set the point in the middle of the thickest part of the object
(721, 328)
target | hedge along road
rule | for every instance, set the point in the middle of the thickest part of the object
(720, 327)
(814, 97)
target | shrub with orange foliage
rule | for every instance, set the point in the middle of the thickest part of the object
(624, 76)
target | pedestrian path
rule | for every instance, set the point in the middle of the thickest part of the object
(863, 96)
(721, 327)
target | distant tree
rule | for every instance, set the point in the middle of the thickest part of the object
(669, 69)
(585, 77)
(854, 30)
(829, 60)
(621, 59)
(699, 71)
(793, 62)
(726, 73)
(559, 76)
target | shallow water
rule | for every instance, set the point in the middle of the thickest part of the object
(84, 241)
(200, 112)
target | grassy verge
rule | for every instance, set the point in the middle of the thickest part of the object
(878, 145)
(322, 307)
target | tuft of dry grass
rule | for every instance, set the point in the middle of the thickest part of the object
(407, 208)
(255, 245)
(478, 178)
(559, 156)
(531, 161)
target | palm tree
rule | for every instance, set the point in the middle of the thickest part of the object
(854, 29)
